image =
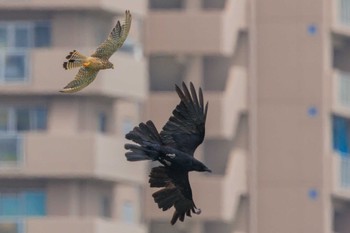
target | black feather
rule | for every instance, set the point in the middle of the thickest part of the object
(173, 147)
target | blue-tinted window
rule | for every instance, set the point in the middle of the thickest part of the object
(105, 206)
(10, 149)
(42, 35)
(102, 122)
(15, 67)
(4, 118)
(128, 212)
(40, 121)
(3, 37)
(20, 204)
(22, 39)
(23, 120)
(19, 38)
(10, 205)
(35, 203)
(341, 135)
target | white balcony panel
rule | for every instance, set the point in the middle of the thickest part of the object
(67, 156)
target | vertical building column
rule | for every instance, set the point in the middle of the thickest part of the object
(290, 116)
(194, 72)
(126, 203)
(63, 203)
(64, 116)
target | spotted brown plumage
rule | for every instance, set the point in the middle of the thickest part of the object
(90, 66)
(173, 147)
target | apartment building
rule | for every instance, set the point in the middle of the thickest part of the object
(277, 78)
(62, 165)
(205, 42)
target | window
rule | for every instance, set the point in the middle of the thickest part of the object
(11, 226)
(16, 39)
(42, 35)
(105, 207)
(127, 125)
(10, 150)
(341, 135)
(13, 121)
(34, 203)
(128, 212)
(19, 119)
(22, 203)
(102, 122)
(169, 4)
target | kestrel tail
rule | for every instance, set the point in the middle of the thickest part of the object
(91, 65)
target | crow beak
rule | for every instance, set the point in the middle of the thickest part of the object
(207, 170)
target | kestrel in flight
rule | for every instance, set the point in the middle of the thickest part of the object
(90, 66)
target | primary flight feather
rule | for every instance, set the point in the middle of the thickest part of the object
(173, 147)
(91, 65)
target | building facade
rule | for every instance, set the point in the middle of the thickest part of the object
(276, 75)
(277, 79)
(62, 165)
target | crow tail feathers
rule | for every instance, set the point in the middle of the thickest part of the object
(143, 135)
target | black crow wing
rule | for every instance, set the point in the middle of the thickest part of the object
(185, 129)
(176, 191)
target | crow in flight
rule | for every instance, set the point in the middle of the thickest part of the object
(173, 147)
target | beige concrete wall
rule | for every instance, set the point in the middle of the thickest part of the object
(290, 75)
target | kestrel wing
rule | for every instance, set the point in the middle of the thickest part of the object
(83, 78)
(115, 39)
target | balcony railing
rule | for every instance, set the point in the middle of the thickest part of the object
(345, 172)
(343, 9)
(11, 150)
(341, 16)
(341, 174)
(12, 225)
(341, 93)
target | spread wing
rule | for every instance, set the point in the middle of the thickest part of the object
(185, 129)
(176, 192)
(83, 78)
(115, 39)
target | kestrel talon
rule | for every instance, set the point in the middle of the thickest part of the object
(90, 66)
